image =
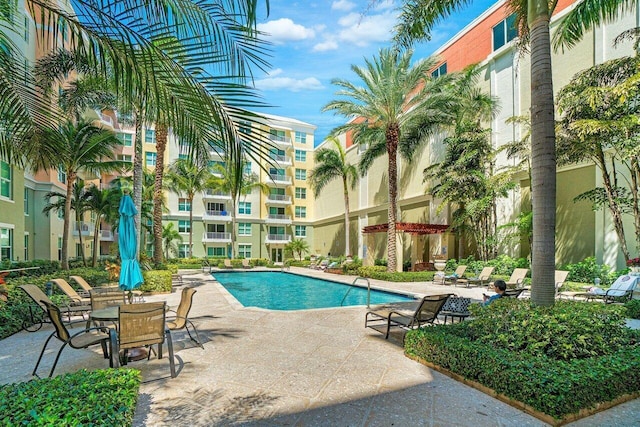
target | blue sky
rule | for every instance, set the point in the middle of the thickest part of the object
(316, 41)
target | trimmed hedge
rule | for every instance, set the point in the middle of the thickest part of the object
(546, 380)
(91, 398)
(380, 273)
(156, 281)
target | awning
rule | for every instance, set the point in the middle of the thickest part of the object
(408, 227)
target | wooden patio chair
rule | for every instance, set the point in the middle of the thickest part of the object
(181, 318)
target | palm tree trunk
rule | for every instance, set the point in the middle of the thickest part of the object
(392, 136)
(347, 249)
(79, 227)
(543, 157)
(64, 257)
(233, 226)
(137, 181)
(161, 145)
(191, 226)
(96, 242)
(614, 207)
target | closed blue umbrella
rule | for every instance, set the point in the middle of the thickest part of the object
(130, 274)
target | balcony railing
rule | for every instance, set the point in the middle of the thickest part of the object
(279, 199)
(211, 194)
(216, 216)
(86, 228)
(282, 141)
(278, 178)
(283, 160)
(106, 235)
(278, 238)
(278, 218)
(216, 237)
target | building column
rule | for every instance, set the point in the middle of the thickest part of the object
(369, 240)
(399, 251)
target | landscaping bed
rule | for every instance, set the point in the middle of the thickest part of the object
(558, 363)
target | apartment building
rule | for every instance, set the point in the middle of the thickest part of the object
(505, 73)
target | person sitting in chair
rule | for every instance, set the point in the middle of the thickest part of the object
(500, 286)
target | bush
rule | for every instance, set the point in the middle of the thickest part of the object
(633, 309)
(380, 273)
(156, 281)
(97, 398)
(588, 270)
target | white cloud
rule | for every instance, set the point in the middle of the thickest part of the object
(325, 46)
(362, 30)
(288, 83)
(344, 5)
(384, 5)
(275, 72)
(284, 29)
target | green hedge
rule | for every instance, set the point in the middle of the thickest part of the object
(156, 281)
(380, 273)
(90, 398)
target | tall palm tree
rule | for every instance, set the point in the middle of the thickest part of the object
(331, 164)
(233, 180)
(169, 236)
(75, 148)
(104, 205)
(189, 178)
(397, 97)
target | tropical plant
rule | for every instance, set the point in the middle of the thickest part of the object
(104, 205)
(331, 164)
(231, 179)
(169, 237)
(298, 247)
(396, 98)
(71, 149)
(189, 178)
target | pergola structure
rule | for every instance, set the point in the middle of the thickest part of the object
(417, 231)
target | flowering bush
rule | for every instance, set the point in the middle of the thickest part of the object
(633, 262)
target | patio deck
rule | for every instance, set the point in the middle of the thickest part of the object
(313, 368)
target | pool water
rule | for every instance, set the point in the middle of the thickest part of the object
(288, 291)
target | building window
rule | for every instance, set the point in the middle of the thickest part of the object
(301, 137)
(183, 250)
(301, 156)
(504, 32)
(301, 230)
(244, 127)
(184, 205)
(125, 158)
(216, 252)
(440, 71)
(126, 139)
(301, 212)
(301, 193)
(6, 243)
(26, 247)
(5, 180)
(244, 251)
(26, 201)
(60, 213)
(184, 226)
(244, 229)
(277, 135)
(301, 174)
(183, 156)
(244, 208)
(150, 158)
(246, 169)
(150, 136)
(59, 248)
(62, 176)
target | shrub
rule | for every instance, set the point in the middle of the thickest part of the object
(380, 273)
(588, 270)
(633, 308)
(156, 281)
(98, 398)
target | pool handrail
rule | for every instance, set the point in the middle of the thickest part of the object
(353, 284)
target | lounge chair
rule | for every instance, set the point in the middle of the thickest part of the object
(181, 318)
(227, 263)
(426, 313)
(71, 293)
(86, 287)
(40, 298)
(620, 291)
(513, 293)
(483, 278)
(246, 264)
(141, 325)
(456, 308)
(83, 339)
(453, 278)
(517, 277)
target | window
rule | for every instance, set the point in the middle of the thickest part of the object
(244, 251)
(244, 127)
(26, 247)
(301, 212)
(62, 176)
(277, 135)
(244, 229)
(301, 230)
(216, 252)
(126, 139)
(244, 208)
(301, 137)
(440, 71)
(184, 205)
(183, 156)
(184, 226)
(301, 193)
(504, 32)
(246, 169)
(26, 201)
(150, 158)
(150, 136)
(301, 156)
(183, 250)
(59, 248)
(6, 243)
(301, 174)
(26, 30)
(125, 158)
(5, 180)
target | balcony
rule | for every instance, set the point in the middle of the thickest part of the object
(281, 160)
(278, 238)
(212, 237)
(85, 227)
(279, 179)
(106, 235)
(220, 216)
(278, 199)
(278, 219)
(280, 141)
(216, 195)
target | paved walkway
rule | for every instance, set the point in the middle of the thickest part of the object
(312, 368)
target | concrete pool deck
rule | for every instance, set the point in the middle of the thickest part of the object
(303, 368)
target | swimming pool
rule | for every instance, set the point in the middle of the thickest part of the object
(288, 291)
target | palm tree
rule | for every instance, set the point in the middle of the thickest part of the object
(297, 246)
(186, 177)
(75, 148)
(169, 236)
(233, 180)
(396, 98)
(418, 19)
(331, 163)
(104, 205)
